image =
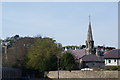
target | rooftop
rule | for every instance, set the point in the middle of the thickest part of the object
(115, 53)
(92, 57)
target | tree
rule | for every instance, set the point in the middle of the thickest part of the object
(83, 46)
(68, 62)
(110, 48)
(42, 55)
(16, 54)
(52, 61)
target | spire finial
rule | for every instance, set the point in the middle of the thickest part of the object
(89, 18)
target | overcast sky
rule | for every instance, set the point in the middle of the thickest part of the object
(66, 22)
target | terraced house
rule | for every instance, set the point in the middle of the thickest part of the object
(112, 58)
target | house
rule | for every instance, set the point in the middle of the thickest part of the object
(92, 61)
(79, 53)
(112, 57)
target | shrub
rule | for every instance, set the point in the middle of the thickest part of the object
(112, 68)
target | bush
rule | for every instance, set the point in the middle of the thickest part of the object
(68, 62)
(112, 68)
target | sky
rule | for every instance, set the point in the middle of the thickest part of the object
(66, 22)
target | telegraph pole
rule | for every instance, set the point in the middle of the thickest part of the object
(58, 66)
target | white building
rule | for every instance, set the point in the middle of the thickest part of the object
(112, 58)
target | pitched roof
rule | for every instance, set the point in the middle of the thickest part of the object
(92, 57)
(115, 53)
(79, 53)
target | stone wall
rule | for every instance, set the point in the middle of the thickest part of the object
(83, 74)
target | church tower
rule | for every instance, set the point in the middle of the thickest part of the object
(89, 41)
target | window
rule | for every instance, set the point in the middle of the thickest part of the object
(109, 61)
(115, 60)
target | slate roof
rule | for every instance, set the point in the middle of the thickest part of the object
(79, 53)
(92, 57)
(115, 53)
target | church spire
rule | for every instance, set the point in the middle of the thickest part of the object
(89, 41)
(89, 37)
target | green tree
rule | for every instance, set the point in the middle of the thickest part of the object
(42, 55)
(68, 62)
(51, 62)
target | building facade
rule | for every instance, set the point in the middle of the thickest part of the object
(112, 58)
